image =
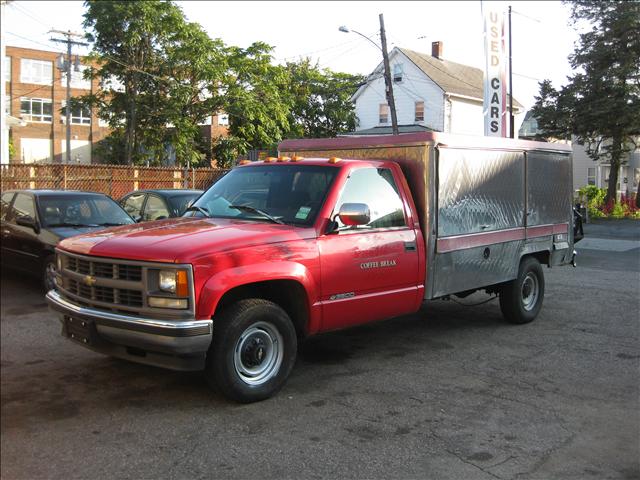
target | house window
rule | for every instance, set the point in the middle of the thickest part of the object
(36, 71)
(419, 112)
(80, 115)
(223, 119)
(398, 72)
(35, 109)
(591, 176)
(7, 69)
(384, 113)
(77, 79)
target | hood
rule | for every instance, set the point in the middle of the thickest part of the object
(178, 240)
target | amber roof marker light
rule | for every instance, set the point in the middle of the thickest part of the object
(334, 159)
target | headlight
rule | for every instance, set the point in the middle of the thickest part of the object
(167, 281)
(174, 281)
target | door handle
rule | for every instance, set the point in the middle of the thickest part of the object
(409, 246)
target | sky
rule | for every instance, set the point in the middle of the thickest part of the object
(542, 36)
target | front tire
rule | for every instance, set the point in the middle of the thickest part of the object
(521, 299)
(253, 350)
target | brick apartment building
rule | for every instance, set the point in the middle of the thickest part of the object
(36, 93)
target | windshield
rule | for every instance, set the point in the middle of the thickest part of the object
(290, 194)
(179, 203)
(80, 210)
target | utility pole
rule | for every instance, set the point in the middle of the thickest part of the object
(387, 78)
(66, 66)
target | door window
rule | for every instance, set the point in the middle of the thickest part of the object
(6, 202)
(23, 206)
(377, 189)
(155, 209)
(133, 205)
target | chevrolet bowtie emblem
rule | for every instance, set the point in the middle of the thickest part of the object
(89, 280)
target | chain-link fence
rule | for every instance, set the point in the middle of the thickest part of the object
(114, 180)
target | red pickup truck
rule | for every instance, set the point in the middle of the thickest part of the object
(285, 248)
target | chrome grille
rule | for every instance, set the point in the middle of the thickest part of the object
(120, 296)
(90, 291)
(103, 269)
(115, 285)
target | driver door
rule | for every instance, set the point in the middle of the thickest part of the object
(369, 272)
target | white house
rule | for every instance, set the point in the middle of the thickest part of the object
(430, 93)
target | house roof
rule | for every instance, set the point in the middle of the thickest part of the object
(453, 78)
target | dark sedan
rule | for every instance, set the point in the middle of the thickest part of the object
(34, 221)
(148, 205)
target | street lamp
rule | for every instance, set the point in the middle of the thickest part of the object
(387, 70)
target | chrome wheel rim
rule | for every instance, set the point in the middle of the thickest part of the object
(530, 292)
(258, 353)
(50, 273)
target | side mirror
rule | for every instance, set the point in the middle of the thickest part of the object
(27, 221)
(137, 218)
(354, 214)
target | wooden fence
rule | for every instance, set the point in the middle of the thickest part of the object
(114, 180)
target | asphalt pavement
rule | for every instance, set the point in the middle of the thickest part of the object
(452, 392)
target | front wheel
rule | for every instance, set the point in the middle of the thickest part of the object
(521, 299)
(253, 350)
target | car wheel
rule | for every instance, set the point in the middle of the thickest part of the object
(49, 272)
(521, 299)
(253, 350)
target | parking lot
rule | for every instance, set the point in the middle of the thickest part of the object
(451, 392)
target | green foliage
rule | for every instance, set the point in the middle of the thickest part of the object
(600, 105)
(321, 105)
(12, 148)
(255, 97)
(618, 210)
(170, 70)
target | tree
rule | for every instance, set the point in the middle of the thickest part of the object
(160, 77)
(321, 105)
(600, 104)
(255, 98)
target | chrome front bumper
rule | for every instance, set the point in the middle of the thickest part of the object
(178, 345)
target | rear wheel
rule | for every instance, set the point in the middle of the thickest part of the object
(521, 299)
(253, 350)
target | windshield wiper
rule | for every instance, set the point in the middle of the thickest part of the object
(195, 208)
(111, 224)
(247, 208)
(66, 224)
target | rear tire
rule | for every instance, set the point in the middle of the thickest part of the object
(253, 350)
(521, 299)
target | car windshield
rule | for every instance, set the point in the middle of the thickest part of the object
(81, 211)
(290, 194)
(179, 203)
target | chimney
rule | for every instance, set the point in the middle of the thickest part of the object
(436, 50)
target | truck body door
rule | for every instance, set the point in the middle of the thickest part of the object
(369, 272)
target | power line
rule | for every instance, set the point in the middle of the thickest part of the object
(24, 11)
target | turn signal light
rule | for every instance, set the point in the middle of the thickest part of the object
(182, 283)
